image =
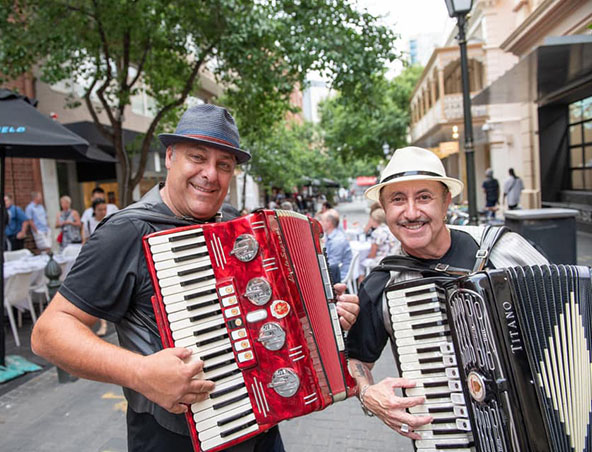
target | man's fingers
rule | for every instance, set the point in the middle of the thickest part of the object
(201, 386)
(194, 398)
(408, 402)
(339, 288)
(179, 408)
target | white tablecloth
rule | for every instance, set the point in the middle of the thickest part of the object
(363, 249)
(36, 264)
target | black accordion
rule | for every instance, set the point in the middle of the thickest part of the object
(501, 356)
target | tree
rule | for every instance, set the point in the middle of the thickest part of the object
(259, 50)
(355, 130)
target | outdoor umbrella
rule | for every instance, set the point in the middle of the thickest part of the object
(25, 132)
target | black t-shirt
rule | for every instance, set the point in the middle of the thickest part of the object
(491, 187)
(368, 336)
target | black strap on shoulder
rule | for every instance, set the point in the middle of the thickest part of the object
(489, 238)
(411, 264)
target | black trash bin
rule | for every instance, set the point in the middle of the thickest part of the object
(552, 230)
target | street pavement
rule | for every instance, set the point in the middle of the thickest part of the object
(43, 415)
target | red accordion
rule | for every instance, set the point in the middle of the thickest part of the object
(252, 298)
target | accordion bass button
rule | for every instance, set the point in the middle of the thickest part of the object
(285, 382)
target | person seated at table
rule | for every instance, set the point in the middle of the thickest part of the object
(382, 240)
(339, 252)
(97, 193)
(16, 224)
(68, 220)
(369, 228)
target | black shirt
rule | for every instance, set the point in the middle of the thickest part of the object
(368, 336)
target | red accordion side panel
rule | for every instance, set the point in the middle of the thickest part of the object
(250, 299)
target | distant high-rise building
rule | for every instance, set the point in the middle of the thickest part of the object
(317, 90)
(421, 47)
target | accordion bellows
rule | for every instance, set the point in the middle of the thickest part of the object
(253, 299)
(502, 357)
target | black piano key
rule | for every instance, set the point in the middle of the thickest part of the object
(193, 235)
(422, 301)
(435, 384)
(236, 417)
(424, 290)
(188, 246)
(189, 257)
(432, 371)
(216, 354)
(430, 360)
(230, 373)
(202, 304)
(209, 330)
(437, 395)
(238, 429)
(211, 340)
(199, 294)
(196, 280)
(455, 446)
(444, 420)
(418, 326)
(432, 335)
(193, 270)
(424, 311)
(439, 409)
(428, 349)
(228, 390)
(197, 318)
(238, 398)
(219, 365)
(448, 432)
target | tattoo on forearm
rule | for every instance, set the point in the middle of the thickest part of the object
(361, 371)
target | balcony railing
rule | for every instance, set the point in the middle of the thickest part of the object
(452, 111)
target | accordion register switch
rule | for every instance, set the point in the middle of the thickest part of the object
(251, 298)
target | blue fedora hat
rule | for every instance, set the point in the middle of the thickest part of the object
(210, 125)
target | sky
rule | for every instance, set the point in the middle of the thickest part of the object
(409, 18)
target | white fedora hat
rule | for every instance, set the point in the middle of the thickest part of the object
(413, 163)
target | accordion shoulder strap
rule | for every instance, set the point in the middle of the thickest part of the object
(489, 238)
(411, 264)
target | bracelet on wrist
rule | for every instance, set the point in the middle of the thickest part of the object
(361, 395)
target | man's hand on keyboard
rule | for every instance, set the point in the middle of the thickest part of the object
(167, 378)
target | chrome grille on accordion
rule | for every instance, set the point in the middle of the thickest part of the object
(252, 298)
(521, 340)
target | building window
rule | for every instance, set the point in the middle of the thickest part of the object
(580, 144)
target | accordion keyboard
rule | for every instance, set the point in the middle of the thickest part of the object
(188, 286)
(425, 353)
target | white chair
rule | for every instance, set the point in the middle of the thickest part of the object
(16, 255)
(17, 295)
(350, 280)
(38, 289)
(72, 250)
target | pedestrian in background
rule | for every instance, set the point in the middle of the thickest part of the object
(491, 189)
(17, 223)
(339, 253)
(513, 187)
(68, 220)
(97, 193)
(37, 216)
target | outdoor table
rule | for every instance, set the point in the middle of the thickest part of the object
(363, 249)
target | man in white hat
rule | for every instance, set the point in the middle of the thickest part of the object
(415, 193)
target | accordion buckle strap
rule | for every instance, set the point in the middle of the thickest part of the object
(489, 238)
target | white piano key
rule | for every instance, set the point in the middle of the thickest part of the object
(209, 402)
(427, 429)
(210, 413)
(413, 358)
(176, 298)
(174, 262)
(422, 331)
(406, 320)
(435, 306)
(187, 314)
(177, 288)
(194, 264)
(165, 238)
(415, 374)
(425, 408)
(215, 431)
(421, 391)
(445, 345)
(217, 373)
(174, 280)
(191, 341)
(197, 335)
(172, 255)
(208, 423)
(214, 442)
(405, 341)
(159, 244)
(179, 327)
(434, 443)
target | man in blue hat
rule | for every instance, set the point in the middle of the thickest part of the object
(110, 280)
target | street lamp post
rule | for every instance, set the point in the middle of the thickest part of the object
(460, 9)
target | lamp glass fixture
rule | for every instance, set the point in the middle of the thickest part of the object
(458, 7)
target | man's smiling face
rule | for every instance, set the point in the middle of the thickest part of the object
(415, 213)
(198, 179)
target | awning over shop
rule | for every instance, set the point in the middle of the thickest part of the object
(364, 181)
(560, 69)
(445, 149)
